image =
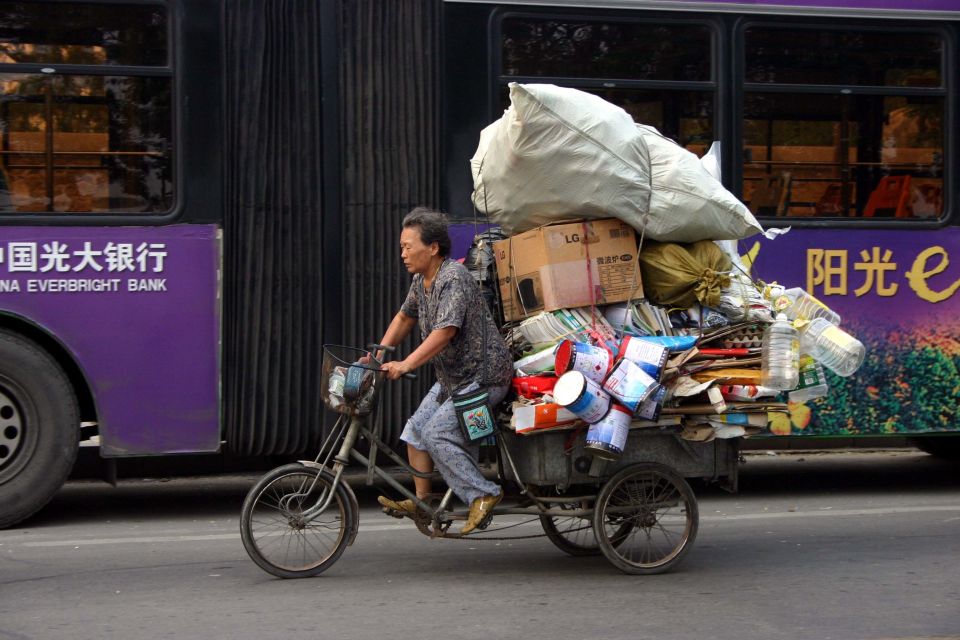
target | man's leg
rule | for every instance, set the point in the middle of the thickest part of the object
(421, 461)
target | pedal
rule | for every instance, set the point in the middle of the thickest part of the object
(485, 522)
(393, 513)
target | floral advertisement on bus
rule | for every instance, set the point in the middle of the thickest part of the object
(895, 291)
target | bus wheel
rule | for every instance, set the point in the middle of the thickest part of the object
(945, 447)
(39, 428)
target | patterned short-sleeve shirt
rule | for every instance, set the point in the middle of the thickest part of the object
(455, 300)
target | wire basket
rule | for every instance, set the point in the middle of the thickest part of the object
(350, 380)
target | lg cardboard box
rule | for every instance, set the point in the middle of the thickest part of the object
(575, 264)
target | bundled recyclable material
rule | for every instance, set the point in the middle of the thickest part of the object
(678, 275)
(613, 330)
(560, 153)
(479, 262)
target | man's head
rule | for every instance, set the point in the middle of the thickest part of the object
(424, 238)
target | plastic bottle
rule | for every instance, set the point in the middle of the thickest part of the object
(780, 356)
(812, 384)
(805, 307)
(833, 347)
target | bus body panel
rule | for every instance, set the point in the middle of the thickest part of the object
(892, 9)
(893, 279)
(895, 290)
(139, 310)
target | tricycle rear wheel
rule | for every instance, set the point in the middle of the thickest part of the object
(571, 534)
(645, 519)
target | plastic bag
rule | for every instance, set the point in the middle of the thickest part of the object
(742, 300)
(560, 153)
(680, 275)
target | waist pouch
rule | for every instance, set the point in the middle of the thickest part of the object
(474, 414)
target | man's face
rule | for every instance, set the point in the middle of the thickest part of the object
(416, 256)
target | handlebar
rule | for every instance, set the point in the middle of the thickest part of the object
(390, 349)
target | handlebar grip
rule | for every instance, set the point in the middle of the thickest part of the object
(384, 347)
(410, 376)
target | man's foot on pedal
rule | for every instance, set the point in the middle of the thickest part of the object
(479, 510)
(398, 508)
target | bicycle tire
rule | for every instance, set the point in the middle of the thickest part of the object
(571, 534)
(657, 503)
(274, 531)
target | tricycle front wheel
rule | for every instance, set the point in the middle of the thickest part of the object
(279, 529)
(645, 519)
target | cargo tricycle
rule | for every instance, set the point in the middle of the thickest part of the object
(638, 510)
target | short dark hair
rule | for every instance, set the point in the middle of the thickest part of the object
(433, 227)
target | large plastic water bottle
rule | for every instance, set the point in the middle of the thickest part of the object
(780, 357)
(812, 384)
(805, 307)
(833, 347)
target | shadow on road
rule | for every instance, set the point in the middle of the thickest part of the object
(761, 475)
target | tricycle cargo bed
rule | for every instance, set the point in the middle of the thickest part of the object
(540, 459)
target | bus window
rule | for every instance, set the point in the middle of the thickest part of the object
(614, 49)
(683, 116)
(843, 152)
(84, 141)
(83, 33)
(629, 63)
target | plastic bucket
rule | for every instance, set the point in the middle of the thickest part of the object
(629, 384)
(607, 438)
(593, 362)
(582, 396)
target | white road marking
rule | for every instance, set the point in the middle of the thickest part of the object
(833, 513)
(369, 526)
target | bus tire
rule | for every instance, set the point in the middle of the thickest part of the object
(39, 428)
(943, 447)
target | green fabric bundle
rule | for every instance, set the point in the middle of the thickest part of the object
(680, 275)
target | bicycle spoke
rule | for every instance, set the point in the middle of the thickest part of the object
(646, 519)
(280, 533)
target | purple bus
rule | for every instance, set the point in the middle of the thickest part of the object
(837, 118)
(195, 195)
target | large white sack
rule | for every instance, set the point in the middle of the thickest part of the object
(688, 204)
(560, 153)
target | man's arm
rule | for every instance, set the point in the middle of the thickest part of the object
(434, 344)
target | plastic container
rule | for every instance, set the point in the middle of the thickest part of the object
(780, 357)
(804, 306)
(833, 347)
(813, 383)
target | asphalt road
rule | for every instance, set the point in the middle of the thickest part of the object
(843, 546)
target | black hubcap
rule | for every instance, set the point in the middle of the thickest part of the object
(11, 429)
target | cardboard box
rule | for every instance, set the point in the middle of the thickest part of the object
(553, 267)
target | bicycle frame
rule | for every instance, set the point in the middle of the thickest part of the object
(357, 428)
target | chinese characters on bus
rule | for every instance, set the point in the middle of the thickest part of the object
(57, 261)
(828, 273)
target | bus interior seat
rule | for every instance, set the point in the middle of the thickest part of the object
(771, 196)
(890, 198)
(926, 200)
(829, 203)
